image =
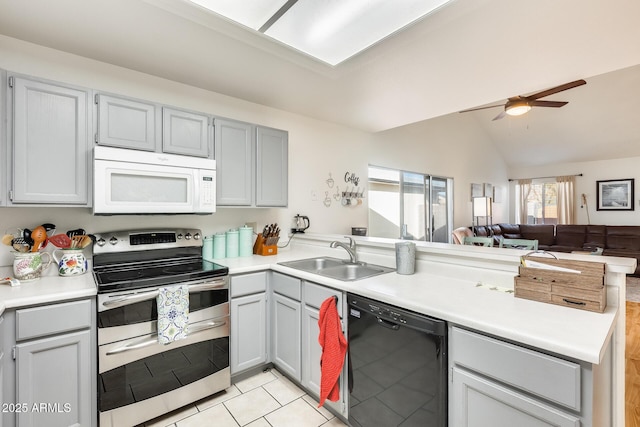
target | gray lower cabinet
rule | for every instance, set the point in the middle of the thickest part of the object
(251, 164)
(51, 376)
(314, 296)
(49, 142)
(498, 383)
(2, 361)
(286, 323)
(248, 340)
(479, 401)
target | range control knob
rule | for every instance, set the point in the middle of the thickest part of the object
(187, 236)
(101, 242)
(196, 236)
(179, 236)
(113, 240)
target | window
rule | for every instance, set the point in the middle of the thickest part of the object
(542, 203)
(409, 205)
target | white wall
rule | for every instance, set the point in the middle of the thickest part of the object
(592, 172)
(318, 150)
(450, 146)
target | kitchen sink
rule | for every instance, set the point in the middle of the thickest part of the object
(337, 269)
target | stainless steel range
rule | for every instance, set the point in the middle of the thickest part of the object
(139, 378)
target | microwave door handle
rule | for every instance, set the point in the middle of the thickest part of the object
(130, 299)
(153, 338)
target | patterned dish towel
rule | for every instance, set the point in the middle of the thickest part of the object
(173, 313)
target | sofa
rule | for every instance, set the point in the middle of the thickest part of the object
(614, 240)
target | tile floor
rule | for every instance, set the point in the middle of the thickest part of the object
(267, 399)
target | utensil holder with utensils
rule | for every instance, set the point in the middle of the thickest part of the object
(267, 241)
(266, 246)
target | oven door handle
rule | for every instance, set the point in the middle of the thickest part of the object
(153, 338)
(144, 296)
(130, 299)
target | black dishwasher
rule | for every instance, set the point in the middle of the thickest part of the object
(397, 366)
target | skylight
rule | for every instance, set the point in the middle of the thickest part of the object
(329, 30)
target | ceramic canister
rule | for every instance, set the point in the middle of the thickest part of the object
(232, 243)
(207, 248)
(71, 262)
(246, 241)
(29, 265)
(405, 257)
(219, 245)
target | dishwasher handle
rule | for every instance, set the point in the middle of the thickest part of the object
(387, 324)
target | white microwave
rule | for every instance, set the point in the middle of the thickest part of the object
(141, 182)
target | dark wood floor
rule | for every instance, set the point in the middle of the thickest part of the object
(632, 362)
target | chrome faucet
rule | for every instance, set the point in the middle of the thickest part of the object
(350, 248)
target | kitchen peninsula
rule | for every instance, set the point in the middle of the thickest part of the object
(453, 283)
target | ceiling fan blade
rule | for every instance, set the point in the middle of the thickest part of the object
(555, 104)
(556, 89)
(499, 116)
(481, 108)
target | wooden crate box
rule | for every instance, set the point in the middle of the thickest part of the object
(583, 289)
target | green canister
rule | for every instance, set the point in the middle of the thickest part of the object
(233, 244)
(219, 245)
(246, 241)
(207, 248)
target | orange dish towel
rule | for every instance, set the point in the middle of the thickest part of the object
(334, 348)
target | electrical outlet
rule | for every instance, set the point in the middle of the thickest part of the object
(253, 225)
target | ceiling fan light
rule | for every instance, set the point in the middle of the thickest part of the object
(517, 108)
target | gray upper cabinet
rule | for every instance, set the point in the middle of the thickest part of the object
(251, 164)
(126, 123)
(3, 141)
(144, 125)
(234, 163)
(50, 143)
(271, 167)
(185, 132)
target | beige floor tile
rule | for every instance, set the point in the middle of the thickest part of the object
(314, 404)
(260, 422)
(251, 405)
(335, 422)
(170, 418)
(255, 381)
(296, 414)
(218, 398)
(217, 415)
(283, 390)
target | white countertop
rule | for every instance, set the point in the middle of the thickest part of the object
(453, 296)
(47, 289)
(578, 334)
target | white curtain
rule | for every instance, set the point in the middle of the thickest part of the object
(566, 204)
(524, 187)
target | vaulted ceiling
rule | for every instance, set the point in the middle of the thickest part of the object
(469, 53)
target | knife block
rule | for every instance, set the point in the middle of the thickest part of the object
(261, 248)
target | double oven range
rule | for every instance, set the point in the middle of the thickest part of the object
(139, 378)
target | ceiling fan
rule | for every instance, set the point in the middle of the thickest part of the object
(518, 105)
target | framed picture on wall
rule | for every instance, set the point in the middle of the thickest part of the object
(615, 195)
(476, 191)
(488, 190)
